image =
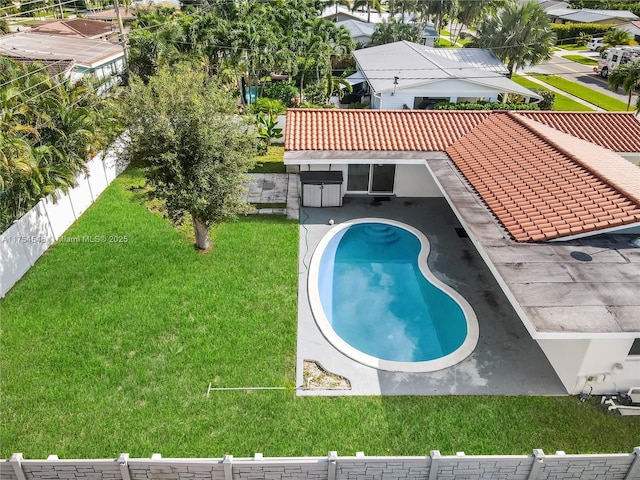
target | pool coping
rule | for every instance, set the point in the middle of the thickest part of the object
(453, 358)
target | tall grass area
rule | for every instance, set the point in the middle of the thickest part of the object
(109, 347)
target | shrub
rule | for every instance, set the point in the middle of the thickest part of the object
(569, 32)
(283, 91)
(316, 93)
(268, 105)
(548, 98)
(485, 106)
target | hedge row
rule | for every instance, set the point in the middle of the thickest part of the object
(485, 106)
(569, 32)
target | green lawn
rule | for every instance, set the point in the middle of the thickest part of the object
(581, 59)
(109, 348)
(585, 93)
(571, 46)
(272, 162)
(561, 104)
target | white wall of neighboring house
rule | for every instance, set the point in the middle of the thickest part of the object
(109, 67)
(601, 363)
(451, 89)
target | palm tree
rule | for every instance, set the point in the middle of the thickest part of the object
(617, 36)
(337, 3)
(368, 4)
(393, 31)
(519, 34)
(468, 12)
(627, 76)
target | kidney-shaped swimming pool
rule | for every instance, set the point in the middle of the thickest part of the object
(375, 299)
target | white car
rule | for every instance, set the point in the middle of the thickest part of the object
(595, 43)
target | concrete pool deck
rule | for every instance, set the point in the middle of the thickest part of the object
(506, 360)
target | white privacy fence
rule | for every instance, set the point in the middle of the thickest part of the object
(538, 466)
(29, 237)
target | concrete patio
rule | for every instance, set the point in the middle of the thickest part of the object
(506, 360)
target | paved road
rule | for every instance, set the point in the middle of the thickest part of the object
(577, 72)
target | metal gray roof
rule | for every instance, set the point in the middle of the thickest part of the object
(83, 51)
(414, 65)
(357, 28)
(587, 15)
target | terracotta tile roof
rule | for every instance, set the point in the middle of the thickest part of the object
(624, 176)
(77, 27)
(595, 127)
(377, 130)
(125, 13)
(544, 175)
(535, 188)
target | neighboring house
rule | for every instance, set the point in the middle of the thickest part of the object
(587, 15)
(343, 13)
(405, 75)
(552, 4)
(633, 28)
(79, 28)
(99, 57)
(361, 32)
(543, 196)
(126, 14)
(429, 36)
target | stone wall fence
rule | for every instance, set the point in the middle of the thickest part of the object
(22, 244)
(537, 466)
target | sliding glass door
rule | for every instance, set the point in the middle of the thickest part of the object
(372, 178)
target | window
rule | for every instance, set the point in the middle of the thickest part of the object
(635, 348)
(427, 103)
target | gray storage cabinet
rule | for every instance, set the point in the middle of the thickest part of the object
(321, 189)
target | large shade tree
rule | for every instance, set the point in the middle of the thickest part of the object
(183, 130)
(626, 76)
(518, 33)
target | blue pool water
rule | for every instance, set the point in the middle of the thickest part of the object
(377, 300)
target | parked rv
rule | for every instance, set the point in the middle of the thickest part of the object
(612, 58)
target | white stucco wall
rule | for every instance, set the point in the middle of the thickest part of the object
(411, 180)
(584, 363)
(415, 181)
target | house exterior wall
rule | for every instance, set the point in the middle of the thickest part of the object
(415, 181)
(452, 89)
(411, 180)
(632, 29)
(106, 69)
(585, 363)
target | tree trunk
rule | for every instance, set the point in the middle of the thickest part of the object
(202, 234)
